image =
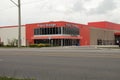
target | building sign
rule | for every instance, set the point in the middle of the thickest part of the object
(71, 25)
(47, 25)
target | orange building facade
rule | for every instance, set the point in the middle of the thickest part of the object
(56, 33)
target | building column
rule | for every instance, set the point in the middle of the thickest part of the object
(61, 30)
(61, 42)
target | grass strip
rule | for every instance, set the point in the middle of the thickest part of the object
(10, 78)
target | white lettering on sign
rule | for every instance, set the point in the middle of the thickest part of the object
(47, 25)
(71, 25)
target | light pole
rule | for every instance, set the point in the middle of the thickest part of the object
(19, 21)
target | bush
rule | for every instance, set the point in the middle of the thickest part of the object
(1, 44)
(10, 46)
(47, 45)
(33, 45)
(40, 45)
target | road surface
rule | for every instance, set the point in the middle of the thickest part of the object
(62, 63)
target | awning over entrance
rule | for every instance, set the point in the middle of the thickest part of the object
(117, 33)
(56, 37)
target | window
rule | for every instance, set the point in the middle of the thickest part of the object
(47, 31)
(71, 30)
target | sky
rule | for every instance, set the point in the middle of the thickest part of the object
(78, 11)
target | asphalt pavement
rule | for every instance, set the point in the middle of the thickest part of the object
(61, 63)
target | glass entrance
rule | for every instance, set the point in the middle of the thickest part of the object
(117, 38)
(58, 42)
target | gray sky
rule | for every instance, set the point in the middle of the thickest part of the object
(80, 11)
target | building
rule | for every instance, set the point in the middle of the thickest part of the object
(9, 35)
(109, 33)
(55, 33)
(61, 33)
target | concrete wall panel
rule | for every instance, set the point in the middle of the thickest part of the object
(101, 34)
(11, 33)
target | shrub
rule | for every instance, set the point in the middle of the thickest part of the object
(47, 45)
(33, 45)
(10, 46)
(1, 44)
(40, 45)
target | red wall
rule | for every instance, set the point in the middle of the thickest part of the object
(85, 35)
(30, 30)
(30, 33)
(105, 25)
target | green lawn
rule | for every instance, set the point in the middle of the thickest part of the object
(7, 78)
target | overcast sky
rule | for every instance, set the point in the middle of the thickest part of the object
(79, 11)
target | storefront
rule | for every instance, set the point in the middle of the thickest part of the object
(65, 35)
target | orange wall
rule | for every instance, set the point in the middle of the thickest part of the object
(30, 30)
(85, 36)
(105, 25)
(30, 33)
